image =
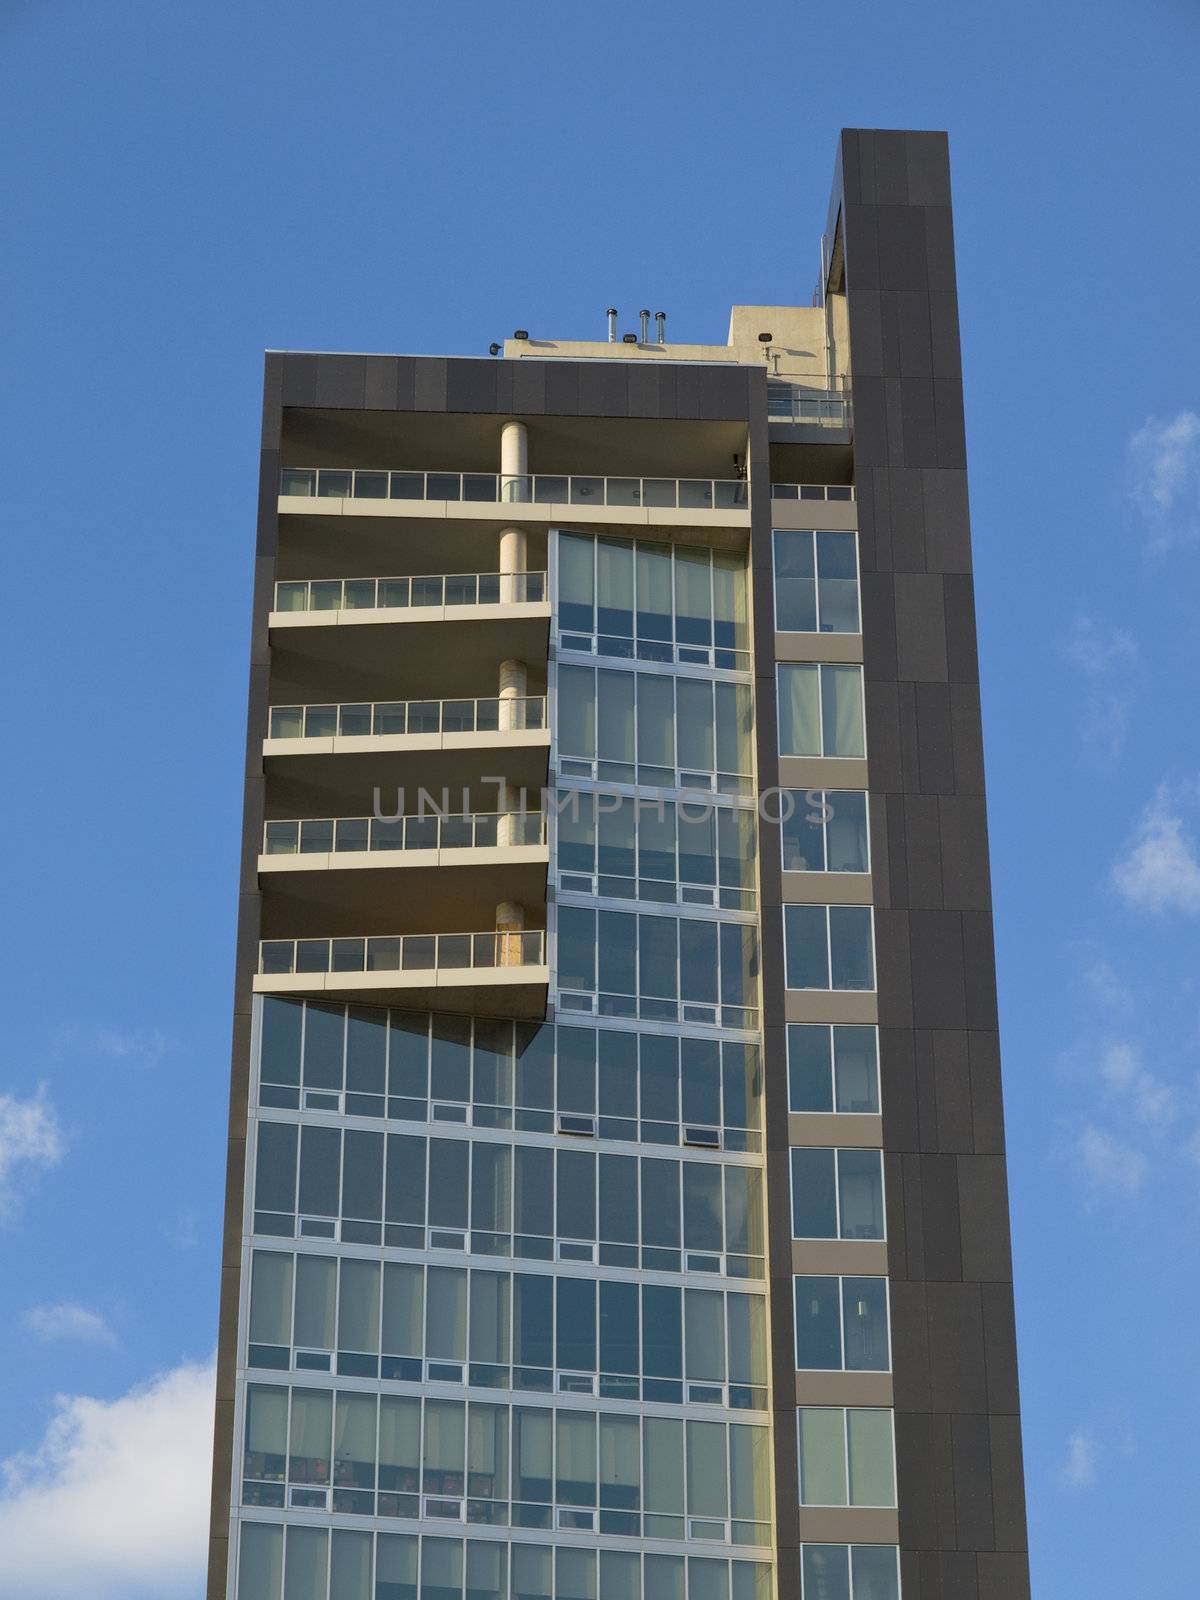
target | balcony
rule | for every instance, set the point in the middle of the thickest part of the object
(812, 491)
(409, 719)
(492, 973)
(304, 863)
(402, 744)
(814, 408)
(800, 416)
(548, 496)
(465, 591)
(349, 625)
(394, 838)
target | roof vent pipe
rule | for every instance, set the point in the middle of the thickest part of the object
(644, 336)
(660, 318)
(611, 314)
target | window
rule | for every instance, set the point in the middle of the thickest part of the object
(630, 848)
(658, 602)
(616, 1083)
(850, 1572)
(833, 1068)
(820, 710)
(626, 964)
(847, 1456)
(837, 1194)
(824, 830)
(659, 730)
(340, 1565)
(829, 947)
(496, 1199)
(522, 1465)
(816, 582)
(842, 1324)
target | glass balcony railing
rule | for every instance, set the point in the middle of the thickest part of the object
(432, 831)
(413, 593)
(406, 952)
(684, 494)
(812, 491)
(821, 408)
(365, 719)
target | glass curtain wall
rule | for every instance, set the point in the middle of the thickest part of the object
(480, 1293)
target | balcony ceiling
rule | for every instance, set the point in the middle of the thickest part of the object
(465, 442)
(439, 660)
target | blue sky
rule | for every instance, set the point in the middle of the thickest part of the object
(186, 185)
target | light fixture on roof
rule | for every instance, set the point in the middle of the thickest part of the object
(493, 349)
(521, 333)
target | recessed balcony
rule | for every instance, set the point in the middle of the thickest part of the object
(460, 594)
(350, 623)
(540, 496)
(799, 415)
(492, 973)
(321, 870)
(486, 720)
(815, 408)
(402, 744)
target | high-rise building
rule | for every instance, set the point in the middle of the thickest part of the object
(617, 1200)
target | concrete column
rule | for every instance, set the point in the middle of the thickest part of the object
(510, 924)
(509, 830)
(514, 489)
(514, 547)
(514, 680)
(514, 462)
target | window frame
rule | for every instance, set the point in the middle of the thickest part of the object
(842, 1278)
(800, 798)
(838, 1237)
(831, 1028)
(848, 1504)
(827, 908)
(820, 667)
(813, 533)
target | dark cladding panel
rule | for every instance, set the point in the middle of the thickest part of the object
(957, 1425)
(340, 382)
(299, 386)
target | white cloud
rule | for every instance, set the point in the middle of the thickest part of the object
(68, 1321)
(1098, 648)
(1109, 661)
(1109, 1165)
(29, 1136)
(1161, 870)
(114, 1502)
(1152, 1102)
(1079, 1467)
(1165, 459)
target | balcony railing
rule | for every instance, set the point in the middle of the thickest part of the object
(433, 831)
(684, 494)
(413, 593)
(406, 952)
(384, 718)
(821, 408)
(812, 491)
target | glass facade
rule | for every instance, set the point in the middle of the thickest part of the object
(510, 1274)
(504, 1325)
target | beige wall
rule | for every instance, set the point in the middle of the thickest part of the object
(797, 351)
